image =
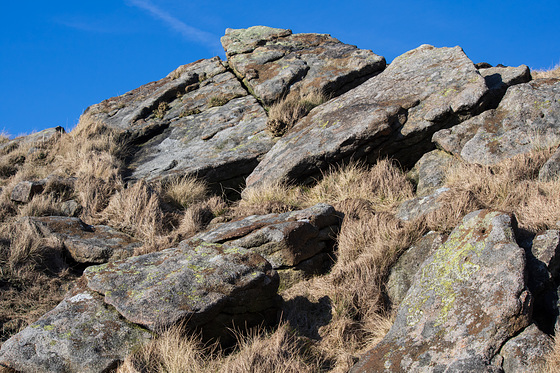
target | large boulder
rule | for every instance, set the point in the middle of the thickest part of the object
(208, 286)
(466, 300)
(293, 241)
(88, 243)
(82, 334)
(528, 117)
(394, 113)
(198, 121)
(526, 352)
(272, 62)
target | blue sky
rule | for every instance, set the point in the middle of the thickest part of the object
(59, 57)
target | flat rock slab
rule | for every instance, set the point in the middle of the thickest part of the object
(466, 300)
(528, 117)
(89, 243)
(81, 334)
(416, 207)
(195, 284)
(198, 121)
(272, 62)
(286, 239)
(394, 113)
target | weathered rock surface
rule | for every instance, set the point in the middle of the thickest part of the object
(498, 79)
(526, 352)
(467, 299)
(430, 171)
(420, 206)
(273, 62)
(88, 243)
(198, 121)
(528, 116)
(82, 334)
(394, 113)
(36, 138)
(551, 169)
(207, 286)
(403, 272)
(24, 191)
(290, 241)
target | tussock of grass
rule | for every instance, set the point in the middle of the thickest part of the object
(552, 364)
(383, 185)
(269, 198)
(198, 216)
(185, 191)
(137, 211)
(285, 113)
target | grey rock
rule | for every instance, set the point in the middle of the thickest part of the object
(82, 334)
(273, 62)
(466, 300)
(394, 113)
(430, 171)
(420, 206)
(498, 79)
(37, 138)
(551, 169)
(70, 208)
(206, 286)
(527, 117)
(286, 239)
(526, 352)
(24, 191)
(88, 243)
(403, 272)
(197, 121)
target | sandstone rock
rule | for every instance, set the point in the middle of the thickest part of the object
(430, 170)
(394, 113)
(197, 121)
(273, 62)
(208, 286)
(89, 243)
(526, 352)
(466, 300)
(286, 239)
(420, 206)
(402, 273)
(82, 334)
(24, 191)
(527, 117)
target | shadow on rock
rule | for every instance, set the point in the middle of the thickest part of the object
(306, 316)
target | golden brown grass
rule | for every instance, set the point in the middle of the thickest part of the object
(198, 215)
(547, 74)
(269, 198)
(185, 191)
(283, 114)
(552, 364)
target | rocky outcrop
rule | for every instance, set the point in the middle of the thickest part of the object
(297, 241)
(273, 62)
(92, 244)
(526, 352)
(34, 139)
(526, 118)
(198, 121)
(209, 287)
(82, 334)
(467, 299)
(393, 113)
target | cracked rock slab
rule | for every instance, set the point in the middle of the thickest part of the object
(207, 286)
(466, 300)
(272, 62)
(81, 334)
(394, 113)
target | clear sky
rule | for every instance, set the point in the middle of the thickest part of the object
(59, 57)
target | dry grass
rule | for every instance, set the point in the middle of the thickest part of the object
(384, 185)
(198, 216)
(185, 191)
(510, 186)
(283, 114)
(137, 211)
(269, 198)
(553, 73)
(552, 364)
